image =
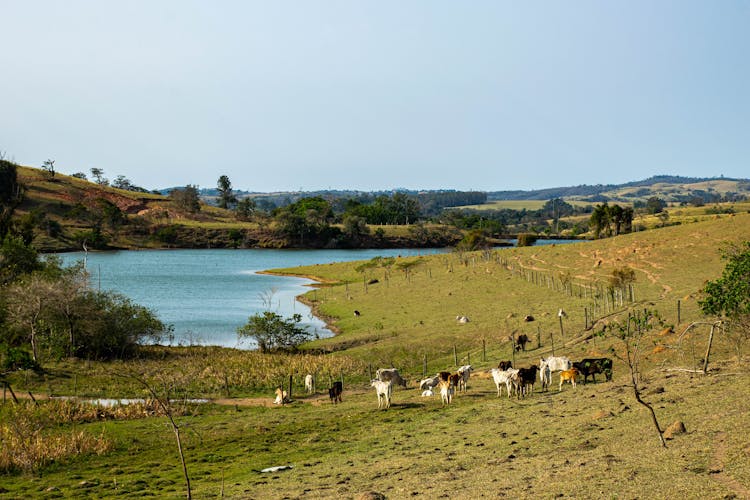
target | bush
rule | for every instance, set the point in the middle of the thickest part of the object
(526, 239)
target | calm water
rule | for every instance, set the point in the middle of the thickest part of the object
(208, 294)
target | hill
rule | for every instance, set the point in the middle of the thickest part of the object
(668, 187)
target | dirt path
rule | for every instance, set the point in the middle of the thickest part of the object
(717, 468)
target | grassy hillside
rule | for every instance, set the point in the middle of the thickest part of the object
(62, 211)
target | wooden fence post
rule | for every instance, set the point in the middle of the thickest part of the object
(552, 341)
(290, 387)
(678, 311)
(538, 336)
(484, 351)
(424, 366)
(455, 355)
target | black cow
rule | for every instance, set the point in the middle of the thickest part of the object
(592, 366)
(521, 342)
(335, 392)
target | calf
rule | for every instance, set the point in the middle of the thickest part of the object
(335, 391)
(526, 379)
(281, 397)
(592, 366)
(568, 375)
(446, 392)
(383, 390)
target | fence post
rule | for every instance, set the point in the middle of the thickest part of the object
(424, 366)
(468, 358)
(552, 341)
(370, 368)
(455, 355)
(538, 336)
(585, 318)
(678, 311)
(290, 387)
(484, 351)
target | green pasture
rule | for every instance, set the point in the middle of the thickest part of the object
(594, 441)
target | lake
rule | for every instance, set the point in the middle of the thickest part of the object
(207, 294)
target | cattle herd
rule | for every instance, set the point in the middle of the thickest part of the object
(517, 381)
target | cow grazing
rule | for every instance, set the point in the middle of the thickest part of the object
(309, 383)
(504, 365)
(335, 391)
(357, 314)
(446, 392)
(383, 390)
(508, 377)
(592, 366)
(427, 393)
(390, 375)
(521, 342)
(526, 379)
(465, 373)
(569, 376)
(462, 319)
(528, 318)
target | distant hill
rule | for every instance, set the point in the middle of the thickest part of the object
(670, 188)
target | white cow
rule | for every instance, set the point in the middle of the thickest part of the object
(547, 366)
(384, 391)
(309, 383)
(508, 377)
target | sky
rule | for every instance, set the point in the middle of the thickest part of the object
(376, 95)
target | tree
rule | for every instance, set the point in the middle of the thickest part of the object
(186, 199)
(49, 168)
(355, 228)
(272, 332)
(729, 296)
(11, 194)
(122, 182)
(226, 196)
(98, 175)
(632, 332)
(655, 205)
(245, 209)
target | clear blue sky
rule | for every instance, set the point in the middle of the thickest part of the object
(370, 95)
